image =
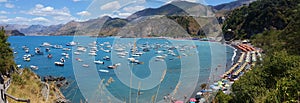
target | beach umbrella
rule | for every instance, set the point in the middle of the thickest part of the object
(193, 100)
(179, 102)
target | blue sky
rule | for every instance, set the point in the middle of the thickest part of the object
(50, 12)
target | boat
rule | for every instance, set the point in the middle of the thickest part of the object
(49, 56)
(33, 67)
(64, 54)
(59, 63)
(62, 59)
(114, 66)
(66, 49)
(85, 65)
(104, 71)
(38, 51)
(45, 44)
(47, 49)
(78, 59)
(57, 46)
(81, 49)
(99, 62)
(26, 59)
(92, 54)
(77, 53)
(72, 43)
(27, 51)
(106, 58)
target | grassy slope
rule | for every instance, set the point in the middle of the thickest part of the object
(29, 86)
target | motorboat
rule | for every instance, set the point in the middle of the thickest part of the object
(72, 43)
(106, 58)
(64, 54)
(104, 71)
(62, 59)
(78, 59)
(49, 56)
(33, 67)
(45, 44)
(66, 49)
(114, 66)
(93, 54)
(99, 62)
(77, 53)
(47, 49)
(58, 46)
(81, 49)
(59, 63)
(85, 65)
(38, 51)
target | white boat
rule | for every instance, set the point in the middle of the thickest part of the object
(107, 51)
(85, 65)
(131, 59)
(106, 58)
(81, 49)
(134, 55)
(64, 54)
(34, 67)
(57, 46)
(45, 44)
(104, 71)
(72, 43)
(99, 62)
(77, 53)
(93, 54)
(160, 57)
(26, 59)
(119, 49)
(78, 59)
(66, 49)
(62, 59)
(59, 63)
(27, 51)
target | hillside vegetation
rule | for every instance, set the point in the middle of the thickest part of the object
(258, 17)
(273, 26)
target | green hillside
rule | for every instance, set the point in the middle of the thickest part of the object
(273, 26)
(259, 16)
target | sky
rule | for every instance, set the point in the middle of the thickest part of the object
(53, 12)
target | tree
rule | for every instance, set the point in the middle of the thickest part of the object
(6, 56)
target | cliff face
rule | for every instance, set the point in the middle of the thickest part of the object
(13, 33)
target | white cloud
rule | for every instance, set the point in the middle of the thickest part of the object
(111, 6)
(3, 12)
(3, 1)
(47, 9)
(75, 0)
(3, 17)
(84, 13)
(41, 19)
(39, 6)
(133, 8)
(8, 5)
(123, 15)
(41, 10)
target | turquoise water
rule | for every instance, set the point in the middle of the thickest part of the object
(200, 62)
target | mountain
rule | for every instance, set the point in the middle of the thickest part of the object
(232, 5)
(91, 27)
(196, 19)
(14, 26)
(13, 33)
(40, 29)
(258, 17)
(175, 8)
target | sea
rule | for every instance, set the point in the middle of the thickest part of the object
(171, 67)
